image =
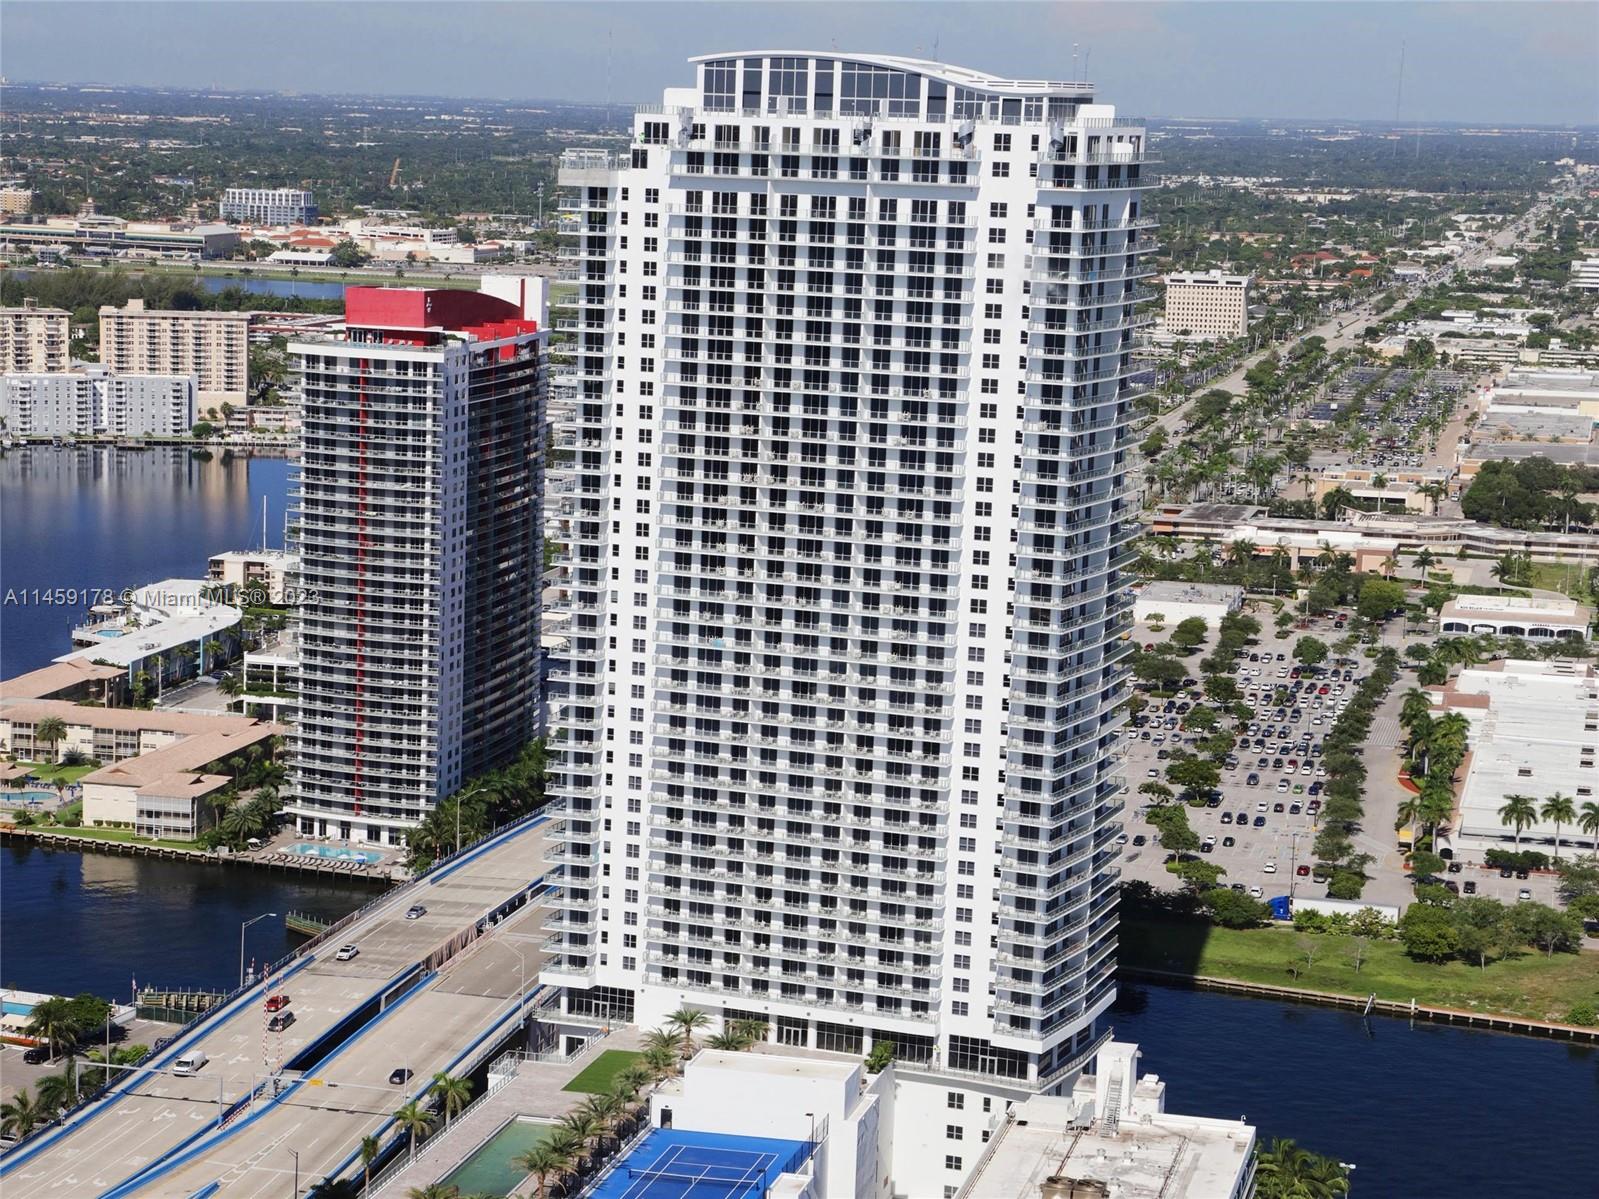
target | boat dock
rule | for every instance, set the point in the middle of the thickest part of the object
(290, 863)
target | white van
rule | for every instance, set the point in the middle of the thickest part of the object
(190, 1063)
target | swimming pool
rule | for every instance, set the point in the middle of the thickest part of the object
(108, 632)
(492, 1170)
(334, 854)
(33, 795)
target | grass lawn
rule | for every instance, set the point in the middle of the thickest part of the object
(1530, 985)
(1553, 576)
(53, 772)
(599, 1076)
(113, 834)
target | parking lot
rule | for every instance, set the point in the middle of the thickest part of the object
(1260, 823)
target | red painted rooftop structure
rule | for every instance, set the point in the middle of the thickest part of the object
(416, 315)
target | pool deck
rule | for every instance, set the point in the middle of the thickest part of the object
(535, 1091)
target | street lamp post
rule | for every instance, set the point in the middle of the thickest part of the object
(242, 927)
(294, 1153)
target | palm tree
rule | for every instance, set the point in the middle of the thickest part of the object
(541, 1161)
(660, 1061)
(660, 1038)
(417, 1122)
(54, 1023)
(606, 1110)
(1520, 811)
(727, 1042)
(686, 1020)
(1424, 560)
(435, 1190)
(453, 1094)
(1588, 821)
(335, 1188)
(1285, 1171)
(59, 1091)
(21, 1114)
(371, 1147)
(583, 1127)
(51, 731)
(1560, 809)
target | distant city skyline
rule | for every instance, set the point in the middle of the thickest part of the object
(1324, 61)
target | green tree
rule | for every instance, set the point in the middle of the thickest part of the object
(544, 1161)
(21, 1114)
(1194, 775)
(1558, 809)
(453, 1092)
(1311, 651)
(1588, 821)
(1547, 928)
(1379, 599)
(687, 1021)
(1189, 634)
(54, 1022)
(1234, 909)
(1429, 933)
(1285, 1171)
(348, 254)
(1518, 811)
(51, 731)
(415, 1121)
(371, 1149)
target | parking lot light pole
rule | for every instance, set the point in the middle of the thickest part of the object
(1293, 862)
(242, 927)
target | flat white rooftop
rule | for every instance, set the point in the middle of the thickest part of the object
(1530, 723)
(1157, 1157)
(157, 618)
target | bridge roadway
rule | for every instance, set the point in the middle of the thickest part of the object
(158, 1136)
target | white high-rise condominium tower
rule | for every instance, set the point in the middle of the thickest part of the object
(845, 523)
(419, 526)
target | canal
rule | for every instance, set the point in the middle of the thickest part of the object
(1421, 1109)
(97, 921)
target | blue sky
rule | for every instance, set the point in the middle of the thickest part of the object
(1501, 62)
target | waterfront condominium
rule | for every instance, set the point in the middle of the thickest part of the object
(419, 534)
(843, 579)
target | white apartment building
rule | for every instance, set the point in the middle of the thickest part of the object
(844, 529)
(1208, 303)
(1584, 275)
(90, 400)
(420, 519)
(268, 206)
(34, 338)
(212, 346)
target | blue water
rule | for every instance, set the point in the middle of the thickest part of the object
(94, 921)
(82, 522)
(274, 287)
(1422, 1110)
(307, 850)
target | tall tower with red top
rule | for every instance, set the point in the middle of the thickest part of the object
(421, 512)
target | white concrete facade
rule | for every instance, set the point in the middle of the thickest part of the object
(1534, 732)
(843, 579)
(268, 206)
(1537, 618)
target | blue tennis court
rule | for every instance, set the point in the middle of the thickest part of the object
(672, 1163)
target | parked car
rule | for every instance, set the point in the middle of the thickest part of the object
(1303, 871)
(1140, 839)
(1469, 886)
(36, 1055)
(1228, 842)
(1523, 894)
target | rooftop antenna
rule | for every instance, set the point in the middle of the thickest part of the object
(935, 51)
(1075, 76)
(1087, 54)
